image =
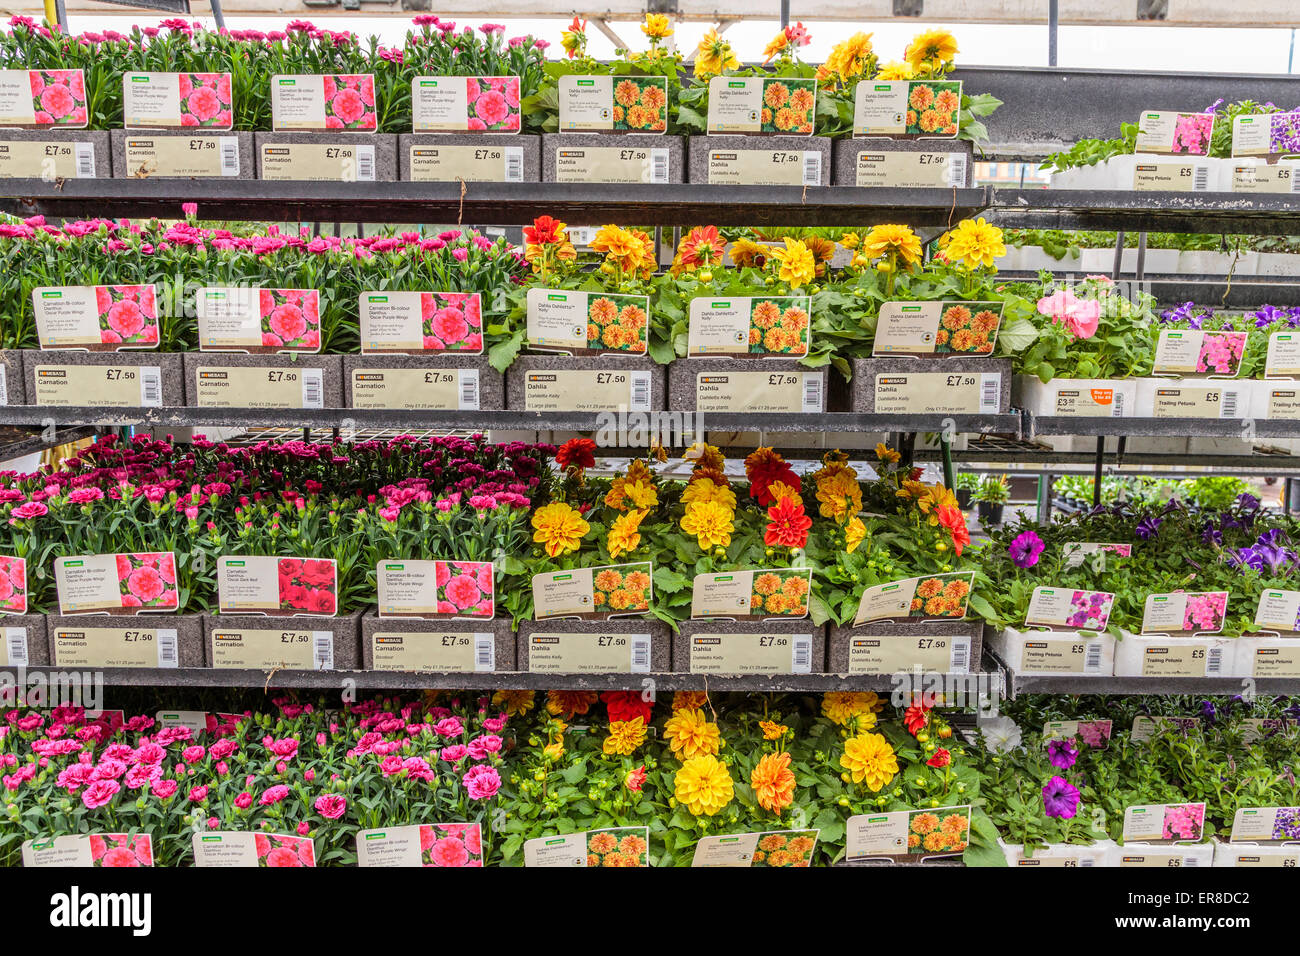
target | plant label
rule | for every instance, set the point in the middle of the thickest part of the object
(1266, 825)
(1270, 135)
(761, 105)
(1061, 656)
(1093, 733)
(1145, 728)
(416, 323)
(1167, 133)
(795, 393)
(259, 321)
(1185, 612)
(1191, 176)
(587, 323)
(267, 649)
(613, 104)
(217, 848)
(13, 585)
(1075, 553)
(99, 386)
(446, 163)
(1278, 611)
(177, 101)
(1254, 728)
(235, 386)
(311, 162)
(427, 589)
(441, 389)
(334, 102)
(593, 593)
(779, 848)
(96, 318)
(1260, 177)
(582, 390)
(891, 653)
(781, 593)
(907, 109)
(1164, 823)
(900, 170)
(583, 653)
(115, 647)
(426, 844)
(43, 99)
(195, 721)
(277, 586)
(938, 393)
(614, 846)
(908, 835)
(749, 327)
(117, 583)
(765, 167)
(465, 104)
(460, 652)
(1065, 609)
(941, 329)
(933, 597)
(1283, 360)
(1193, 352)
(90, 849)
(47, 159)
(180, 157)
(612, 164)
(751, 652)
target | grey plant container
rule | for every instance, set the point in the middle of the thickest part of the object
(125, 168)
(331, 367)
(862, 389)
(841, 637)
(168, 364)
(847, 152)
(554, 145)
(12, 388)
(702, 146)
(34, 636)
(188, 627)
(384, 146)
(66, 167)
(420, 629)
(410, 146)
(689, 630)
(345, 630)
(518, 373)
(491, 383)
(660, 645)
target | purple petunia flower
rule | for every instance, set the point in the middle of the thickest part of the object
(1060, 798)
(1147, 528)
(1025, 549)
(1266, 315)
(1062, 753)
(1247, 502)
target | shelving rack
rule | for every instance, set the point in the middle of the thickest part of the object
(1011, 436)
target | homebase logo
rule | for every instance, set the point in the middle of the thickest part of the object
(935, 689)
(624, 429)
(74, 910)
(47, 689)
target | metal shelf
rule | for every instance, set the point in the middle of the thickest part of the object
(1154, 427)
(1106, 209)
(15, 443)
(1017, 684)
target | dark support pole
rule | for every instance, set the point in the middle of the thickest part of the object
(61, 15)
(945, 444)
(217, 14)
(785, 13)
(1119, 256)
(1096, 471)
(1045, 498)
(1053, 25)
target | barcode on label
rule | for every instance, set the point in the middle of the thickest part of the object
(990, 392)
(1117, 405)
(957, 170)
(85, 156)
(812, 392)
(1201, 179)
(659, 166)
(1085, 861)
(469, 389)
(313, 388)
(4, 386)
(960, 660)
(1295, 179)
(1214, 661)
(16, 642)
(1092, 658)
(801, 654)
(812, 168)
(365, 164)
(640, 654)
(640, 398)
(229, 147)
(1190, 861)
(323, 650)
(168, 655)
(151, 386)
(1228, 406)
(485, 650)
(514, 166)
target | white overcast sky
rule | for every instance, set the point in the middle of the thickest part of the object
(1138, 48)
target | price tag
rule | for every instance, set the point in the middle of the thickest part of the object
(434, 651)
(751, 653)
(233, 386)
(473, 164)
(797, 393)
(47, 159)
(579, 653)
(324, 162)
(938, 393)
(442, 389)
(266, 649)
(612, 164)
(765, 167)
(581, 390)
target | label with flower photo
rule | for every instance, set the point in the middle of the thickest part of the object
(13, 585)
(751, 652)
(1169, 133)
(421, 322)
(195, 721)
(759, 104)
(1185, 612)
(1271, 135)
(177, 101)
(1164, 823)
(228, 848)
(613, 104)
(90, 849)
(1094, 733)
(425, 844)
(117, 583)
(614, 846)
(932, 597)
(41, 99)
(733, 594)
(430, 589)
(1075, 553)
(907, 109)
(258, 321)
(1255, 728)
(593, 593)
(1267, 825)
(465, 104)
(749, 327)
(587, 323)
(1067, 609)
(963, 329)
(277, 586)
(1190, 351)
(311, 102)
(1277, 610)
(96, 318)
(780, 848)
(908, 835)
(1144, 728)
(1283, 359)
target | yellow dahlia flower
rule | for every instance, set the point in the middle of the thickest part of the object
(624, 737)
(869, 759)
(798, 267)
(841, 706)
(975, 244)
(705, 489)
(931, 51)
(625, 533)
(703, 785)
(690, 734)
(558, 528)
(894, 241)
(710, 522)
(657, 26)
